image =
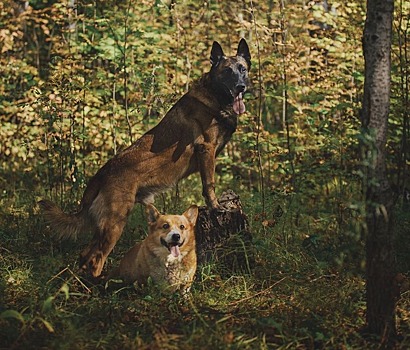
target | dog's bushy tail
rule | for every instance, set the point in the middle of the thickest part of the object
(65, 226)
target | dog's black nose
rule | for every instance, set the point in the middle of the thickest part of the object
(176, 237)
(240, 88)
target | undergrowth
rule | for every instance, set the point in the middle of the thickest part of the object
(298, 295)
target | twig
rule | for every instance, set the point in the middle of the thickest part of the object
(258, 293)
(259, 114)
(73, 276)
(323, 276)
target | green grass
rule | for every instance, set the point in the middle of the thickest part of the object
(296, 297)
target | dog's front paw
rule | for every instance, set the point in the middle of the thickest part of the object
(214, 206)
(218, 209)
(212, 203)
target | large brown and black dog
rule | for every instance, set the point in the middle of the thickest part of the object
(186, 140)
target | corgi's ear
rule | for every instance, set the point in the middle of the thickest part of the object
(191, 214)
(152, 214)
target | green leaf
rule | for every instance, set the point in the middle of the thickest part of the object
(48, 304)
(12, 314)
(65, 289)
(47, 324)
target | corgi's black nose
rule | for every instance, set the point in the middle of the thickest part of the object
(176, 237)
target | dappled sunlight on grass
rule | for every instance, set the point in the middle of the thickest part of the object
(289, 300)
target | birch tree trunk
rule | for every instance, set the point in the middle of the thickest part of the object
(381, 288)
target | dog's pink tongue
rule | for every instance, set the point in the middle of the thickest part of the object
(175, 251)
(238, 105)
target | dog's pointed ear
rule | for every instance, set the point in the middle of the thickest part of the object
(152, 213)
(216, 54)
(243, 51)
(191, 214)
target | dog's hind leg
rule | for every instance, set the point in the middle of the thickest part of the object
(110, 221)
(94, 256)
(109, 217)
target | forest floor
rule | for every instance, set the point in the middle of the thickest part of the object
(294, 297)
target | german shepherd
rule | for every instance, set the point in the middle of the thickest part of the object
(186, 140)
(167, 255)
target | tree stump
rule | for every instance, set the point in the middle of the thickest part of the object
(223, 237)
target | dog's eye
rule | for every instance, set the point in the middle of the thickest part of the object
(182, 227)
(228, 70)
(165, 226)
(242, 68)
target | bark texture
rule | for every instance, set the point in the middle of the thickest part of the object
(223, 236)
(381, 288)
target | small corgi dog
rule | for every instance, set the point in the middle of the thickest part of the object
(167, 255)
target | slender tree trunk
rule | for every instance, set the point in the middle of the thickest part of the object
(381, 288)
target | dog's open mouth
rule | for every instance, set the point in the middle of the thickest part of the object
(238, 105)
(173, 247)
